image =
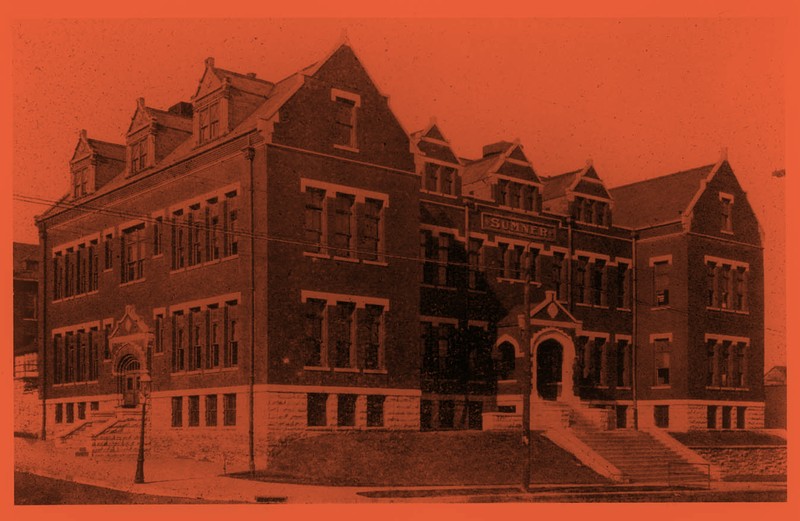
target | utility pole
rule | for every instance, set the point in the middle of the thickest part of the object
(527, 385)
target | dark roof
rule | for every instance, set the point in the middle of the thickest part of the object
(246, 83)
(556, 186)
(776, 376)
(108, 150)
(479, 169)
(659, 200)
(171, 120)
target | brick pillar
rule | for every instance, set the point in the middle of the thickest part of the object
(361, 411)
(332, 410)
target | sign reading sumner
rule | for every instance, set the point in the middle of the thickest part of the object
(500, 224)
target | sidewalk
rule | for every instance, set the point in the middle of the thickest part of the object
(171, 476)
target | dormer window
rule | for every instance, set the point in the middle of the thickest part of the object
(139, 156)
(345, 119)
(590, 211)
(209, 122)
(439, 178)
(80, 183)
(520, 196)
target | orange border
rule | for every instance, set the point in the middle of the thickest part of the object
(410, 8)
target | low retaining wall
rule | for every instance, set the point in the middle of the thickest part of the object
(746, 460)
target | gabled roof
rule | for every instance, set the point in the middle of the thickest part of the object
(776, 376)
(584, 181)
(213, 77)
(164, 118)
(86, 146)
(659, 200)
(431, 142)
(494, 162)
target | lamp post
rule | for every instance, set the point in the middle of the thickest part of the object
(144, 387)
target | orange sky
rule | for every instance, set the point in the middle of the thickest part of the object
(641, 97)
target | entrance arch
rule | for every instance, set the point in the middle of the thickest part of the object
(553, 359)
(128, 370)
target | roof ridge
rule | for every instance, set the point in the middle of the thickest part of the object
(243, 76)
(688, 170)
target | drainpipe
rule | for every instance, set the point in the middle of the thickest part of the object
(635, 343)
(42, 290)
(249, 154)
(569, 265)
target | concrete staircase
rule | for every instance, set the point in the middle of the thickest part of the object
(114, 433)
(639, 456)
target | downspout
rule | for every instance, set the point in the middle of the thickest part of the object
(569, 265)
(42, 290)
(249, 154)
(634, 332)
(465, 336)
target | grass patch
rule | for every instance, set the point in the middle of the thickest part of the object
(392, 458)
(727, 438)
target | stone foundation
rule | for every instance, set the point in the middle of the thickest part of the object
(684, 417)
(746, 461)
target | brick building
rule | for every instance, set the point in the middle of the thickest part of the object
(283, 258)
(27, 409)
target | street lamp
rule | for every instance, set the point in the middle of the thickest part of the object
(144, 387)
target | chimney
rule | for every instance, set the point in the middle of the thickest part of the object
(210, 62)
(251, 75)
(723, 154)
(496, 148)
(82, 134)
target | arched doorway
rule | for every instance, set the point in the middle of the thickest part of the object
(553, 359)
(549, 362)
(128, 380)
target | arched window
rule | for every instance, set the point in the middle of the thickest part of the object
(507, 361)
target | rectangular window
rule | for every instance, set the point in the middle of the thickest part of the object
(623, 286)
(426, 415)
(345, 122)
(231, 358)
(370, 243)
(598, 277)
(229, 409)
(375, 410)
(558, 275)
(475, 416)
(70, 413)
(661, 416)
(213, 230)
(372, 336)
(208, 123)
(726, 416)
(512, 261)
(341, 333)
(317, 410)
(178, 342)
(723, 364)
(346, 411)
(431, 177)
(502, 192)
(447, 411)
(623, 363)
(214, 328)
(712, 272)
(159, 334)
(445, 274)
(739, 366)
(661, 283)
(94, 406)
(81, 410)
(662, 359)
(430, 348)
(108, 252)
(711, 417)
(194, 411)
(94, 266)
(447, 175)
(740, 417)
(727, 213)
(477, 279)
(195, 234)
(177, 411)
(429, 245)
(158, 228)
(529, 198)
(231, 224)
(132, 243)
(94, 354)
(211, 410)
(725, 287)
(581, 266)
(59, 413)
(315, 333)
(58, 278)
(342, 239)
(315, 200)
(514, 195)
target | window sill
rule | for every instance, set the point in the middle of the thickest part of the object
(435, 286)
(628, 310)
(727, 232)
(202, 264)
(346, 370)
(316, 368)
(316, 255)
(623, 387)
(72, 297)
(376, 371)
(375, 262)
(719, 388)
(440, 194)
(74, 384)
(132, 282)
(657, 387)
(345, 147)
(728, 310)
(346, 259)
(657, 308)
(518, 281)
(196, 372)
(159, 256)
(506, 382)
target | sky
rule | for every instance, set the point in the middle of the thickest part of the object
(640, 97)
